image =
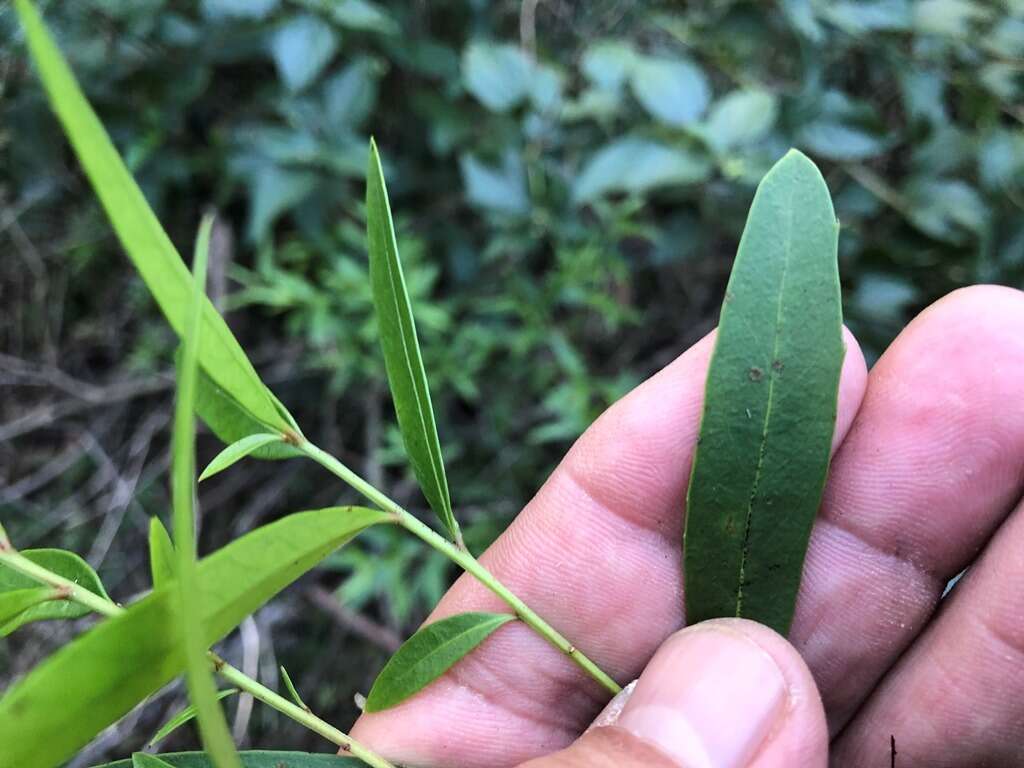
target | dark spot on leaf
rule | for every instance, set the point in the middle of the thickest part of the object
(777, 366)
(755, 374)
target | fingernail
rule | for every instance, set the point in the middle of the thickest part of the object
(708, 699)
(610, 714)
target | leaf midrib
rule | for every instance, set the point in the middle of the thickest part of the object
(744, 551)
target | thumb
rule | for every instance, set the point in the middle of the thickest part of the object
(727, 693)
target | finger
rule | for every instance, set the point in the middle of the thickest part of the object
(932, 465)
(597, 553)
(957, 697)
(727, 693)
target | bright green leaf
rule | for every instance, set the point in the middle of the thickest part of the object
(254, 759)
(292, 690)
(402, 357)
(238, 451)
(183, 717)
(770, 406)
(674, 91)
(63, 563)
(138, 229)
(14, 602)
(213, 726)
(161, 554)
(87, 685)
(430, 653)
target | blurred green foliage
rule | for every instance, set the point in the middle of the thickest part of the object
(569, 184)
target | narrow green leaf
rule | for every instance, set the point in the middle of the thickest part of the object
(292, 690)
(231, 422)
(139, 231)
(770, 406)
(238, 451)
(213, 727)
(253, 759)
(183, 717)
(430, 653)
(63, 563)
(87, 685)
(14, 602)
(142, 760)
(161, 554)
(402, 357)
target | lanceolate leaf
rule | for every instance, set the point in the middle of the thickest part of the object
(770, 406)
(292, 690)
(14, 602)
(254, 759)
(138, 229)
(213, 727)
(238, 451)
(430, 653)
(161, 553)
(402, 357)
(64, 563)
(183, 717)
(87, 685)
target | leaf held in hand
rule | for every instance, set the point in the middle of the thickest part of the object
(401, 347)
(87, 685)
(183, 717)
(63, 563)
(137, 228)
(770, 406)
(430, 653)
(236, 452)
(254, 759)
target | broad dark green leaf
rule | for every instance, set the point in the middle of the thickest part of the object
(238, 451)
(213, 727)
(770, 406)
(139, 231)
(161, 553)
(430, 653)
(14, 602)
(142, 760)
(253, 759)
(90, 683)
(402, 357)
(183, 717)
(63, 563)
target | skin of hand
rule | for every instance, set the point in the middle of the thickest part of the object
(927, 478)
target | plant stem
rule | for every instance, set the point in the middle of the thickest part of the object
(464, 559)
(71, 591)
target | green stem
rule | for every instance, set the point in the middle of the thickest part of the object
(464, 559)
(71, 591)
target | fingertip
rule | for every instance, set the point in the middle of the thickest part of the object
(853, 381)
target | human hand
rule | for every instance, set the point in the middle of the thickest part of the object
(928, 466)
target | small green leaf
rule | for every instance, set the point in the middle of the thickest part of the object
(770, 406)
(236, 452)
(292, 690)
(674, 91)
(161, 554)
(183, 717)
(139, 231)
(213, 727)
(88, 684)
(14, 602)
(430, 653)
(63, 563)
(637, 165)
(254, 759)
(142, 760)
(402, 357)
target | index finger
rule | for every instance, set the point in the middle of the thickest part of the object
(597, 553)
